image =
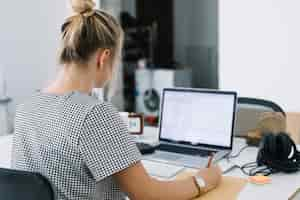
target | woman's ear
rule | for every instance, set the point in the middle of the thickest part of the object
(103, 57)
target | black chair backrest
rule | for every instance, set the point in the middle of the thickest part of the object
(18, 185)
(260, 102)
(249, 111)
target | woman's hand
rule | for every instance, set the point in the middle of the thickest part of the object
(212, 177)
(137, 184)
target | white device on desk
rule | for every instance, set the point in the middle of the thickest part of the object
(195, 123)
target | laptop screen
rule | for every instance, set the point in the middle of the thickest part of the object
(198, 117)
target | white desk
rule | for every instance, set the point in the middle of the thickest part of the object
(5, 151)
(281, 188)
(282, 185)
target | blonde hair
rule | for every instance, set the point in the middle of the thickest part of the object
(87, 31)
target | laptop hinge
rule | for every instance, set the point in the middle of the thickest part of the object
(193, 147)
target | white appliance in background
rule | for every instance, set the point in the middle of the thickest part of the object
(150, 84)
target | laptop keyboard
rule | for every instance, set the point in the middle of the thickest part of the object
(184, 150)
(168, 156)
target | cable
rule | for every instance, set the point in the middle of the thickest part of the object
(252, 169)
(266, 163)
(234, 166)
(239, 153)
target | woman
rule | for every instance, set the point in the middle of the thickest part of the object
(79, 143)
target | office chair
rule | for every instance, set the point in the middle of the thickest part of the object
(17, 185)
(249, 111)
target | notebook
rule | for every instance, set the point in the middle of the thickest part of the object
(229, 188)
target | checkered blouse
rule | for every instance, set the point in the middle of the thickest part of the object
(75, 141)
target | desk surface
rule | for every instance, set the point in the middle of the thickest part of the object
(281, 188)
(282, 185)
(5, 151)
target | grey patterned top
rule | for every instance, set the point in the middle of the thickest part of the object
(75, 141)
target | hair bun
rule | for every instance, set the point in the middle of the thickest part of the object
(81, 6)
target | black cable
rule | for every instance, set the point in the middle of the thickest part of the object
(252, 169)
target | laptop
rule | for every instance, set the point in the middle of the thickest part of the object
(195, 123)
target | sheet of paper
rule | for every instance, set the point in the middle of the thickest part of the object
(228, 189)
(162, 170)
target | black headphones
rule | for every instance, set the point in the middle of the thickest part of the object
(278, 153)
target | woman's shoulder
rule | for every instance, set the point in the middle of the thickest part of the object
(96, 107)
(71, 106)
(78, 98)
(92, 102)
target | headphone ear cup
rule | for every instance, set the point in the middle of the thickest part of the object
(289, 145)
(264, 149)
(272, 146)
(283, 147)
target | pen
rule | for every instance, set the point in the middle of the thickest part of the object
(294, 195)
(210, 160)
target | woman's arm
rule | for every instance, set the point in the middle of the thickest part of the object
(140, 186)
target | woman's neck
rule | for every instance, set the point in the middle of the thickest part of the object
(72, 78)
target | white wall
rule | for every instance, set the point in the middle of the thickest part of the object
(260, 49)
(29, 39)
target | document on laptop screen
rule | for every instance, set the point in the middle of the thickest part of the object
(198, 117)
